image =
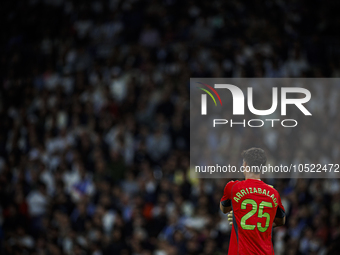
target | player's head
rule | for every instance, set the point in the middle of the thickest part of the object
(254, 158)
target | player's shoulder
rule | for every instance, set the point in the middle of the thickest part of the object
(270, 187)
(230, 185)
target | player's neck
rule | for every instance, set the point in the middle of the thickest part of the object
(252, 176)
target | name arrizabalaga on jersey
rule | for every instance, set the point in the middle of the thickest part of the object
(253, 190)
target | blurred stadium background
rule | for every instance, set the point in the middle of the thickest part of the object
(94, 106)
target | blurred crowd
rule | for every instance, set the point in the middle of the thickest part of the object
(94, 106)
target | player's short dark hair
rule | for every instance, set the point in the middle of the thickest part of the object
(254, 157)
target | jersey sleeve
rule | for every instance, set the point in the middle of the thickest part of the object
(280, 211)
(226, 198)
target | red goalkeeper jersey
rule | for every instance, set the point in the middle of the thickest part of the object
(255, 205)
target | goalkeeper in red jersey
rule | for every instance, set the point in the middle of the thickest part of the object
(256, 207)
